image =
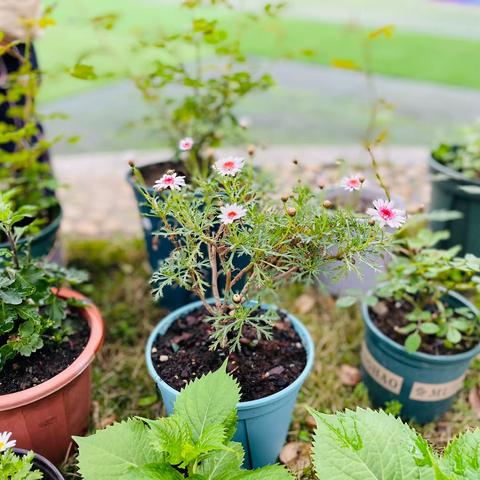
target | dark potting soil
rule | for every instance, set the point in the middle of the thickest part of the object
(26, 372)
(389, 315)
(262, 368)
(153, 172)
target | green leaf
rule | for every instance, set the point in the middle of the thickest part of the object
(271, 472)
(11, 297)
(429, 328)
(345, 302)
(109, 454)
(461, 458)
(220, 465)
(413, 342)
(208, 401)
(453, 335)
(156, 471)
(367, 445)
(83, 72)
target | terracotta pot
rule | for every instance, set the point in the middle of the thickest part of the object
(44, 418)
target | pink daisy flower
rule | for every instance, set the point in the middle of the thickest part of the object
(231, 212)
(185, 144)
(229, 165)
(5, 442)
(353, 182)
(171, 181)
(385, 214)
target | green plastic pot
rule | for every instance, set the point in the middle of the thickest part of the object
(448, 194)
(262, 424)
(424, 384)
(44, 243)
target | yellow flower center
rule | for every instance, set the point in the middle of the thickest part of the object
(2, 445)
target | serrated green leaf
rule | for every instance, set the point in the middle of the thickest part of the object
(220, 465)
(208, 401)
(461, 458)
(271, 472)
(367, 445)
(111, 453)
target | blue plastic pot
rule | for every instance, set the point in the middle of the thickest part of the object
(44, 244)
(262, 424)
(174, 297)
(424, 384)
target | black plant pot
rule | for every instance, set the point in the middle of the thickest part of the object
(50, 472)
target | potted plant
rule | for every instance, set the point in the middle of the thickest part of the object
(19, 464)
(195, 442)
(194, 88)
(455, 172)
(420, 333)
(355, 193)
(365, 444)
(268, 350)
(25, 170)
(48, 339)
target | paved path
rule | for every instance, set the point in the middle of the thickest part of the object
(311, 104)
(98, 202)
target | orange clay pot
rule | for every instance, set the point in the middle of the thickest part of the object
(44, 418)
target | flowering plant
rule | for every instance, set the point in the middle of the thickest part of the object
(31, 314)
(224, 217)
(207, 69)
(18, 467)
(420, 278)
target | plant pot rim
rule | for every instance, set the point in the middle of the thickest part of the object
(41, 459)
(131, 179)
(306, 340)
(450, 172)
(421, 356)
(97, 331)
(44, 232)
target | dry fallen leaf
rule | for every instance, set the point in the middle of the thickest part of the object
(296, 456)
(305, 303)
(106, 422)
(311, 422)
(349, 375)
(474, 400)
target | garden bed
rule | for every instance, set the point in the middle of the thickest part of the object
(123, 388)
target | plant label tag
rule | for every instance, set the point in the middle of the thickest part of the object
(434, 392)
(384, 377)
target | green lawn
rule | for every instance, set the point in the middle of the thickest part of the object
(426, 57)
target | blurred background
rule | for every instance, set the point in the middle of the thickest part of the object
(427, 71)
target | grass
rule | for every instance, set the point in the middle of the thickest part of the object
(426, 57)
(122, 387)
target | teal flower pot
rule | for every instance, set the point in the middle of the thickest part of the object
(448, 194)
(262, 424)
(44, 244)
(424, 384)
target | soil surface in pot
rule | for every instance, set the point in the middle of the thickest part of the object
(26, 372)
(389, 316)
(262, 368)
(153, 172)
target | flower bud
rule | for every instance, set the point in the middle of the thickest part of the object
(362, 179)
(291, 211)
(210, 153)
(285, 198)
(321, 184)
(371, 221)
(237, 298)
(295, 161)
(327, 204)
(251, 150)
(131, 163)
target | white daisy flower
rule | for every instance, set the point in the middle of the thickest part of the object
(5, 442)
(231, 212)
(229, 165)
(385, 214)
(170, 180)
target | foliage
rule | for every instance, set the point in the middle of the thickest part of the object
(24, 169)
(366, 445)
(18, 467)
(30, 311)
(421, 276)
(278, 241)
(198, 79)
(195, 442)
(463, 157)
